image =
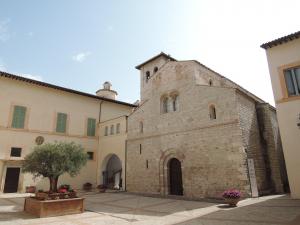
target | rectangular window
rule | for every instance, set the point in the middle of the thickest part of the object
(90, 155)
(19, 114)
(140, 149)
(112, 129)
(292, 81)
(15, 152)
(61, 123)
(118, 128)
(91, 127)
(106, 131)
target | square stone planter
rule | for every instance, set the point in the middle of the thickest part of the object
(50, 208)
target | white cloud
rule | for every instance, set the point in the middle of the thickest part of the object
(33, 77)
(4, 34)
(80, 57)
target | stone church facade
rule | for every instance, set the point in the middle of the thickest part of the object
(195, 133)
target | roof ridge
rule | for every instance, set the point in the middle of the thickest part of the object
(44, 84)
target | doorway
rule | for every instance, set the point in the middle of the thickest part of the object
(175, 177)
(11, 180)
(112, 175)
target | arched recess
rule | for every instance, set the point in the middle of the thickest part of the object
(111, 171)
(164, 178)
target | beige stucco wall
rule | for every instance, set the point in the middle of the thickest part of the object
(42, 106)
(288, 110)
(112, 145)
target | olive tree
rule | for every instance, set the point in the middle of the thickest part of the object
(51, 160)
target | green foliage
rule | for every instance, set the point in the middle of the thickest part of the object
(54, 159)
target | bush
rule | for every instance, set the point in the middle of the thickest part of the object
(232, 193)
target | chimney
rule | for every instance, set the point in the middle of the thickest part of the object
(106, 91)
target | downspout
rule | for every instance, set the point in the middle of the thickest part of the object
(126, 154)
(98, 155)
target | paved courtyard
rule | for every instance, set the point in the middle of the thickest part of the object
(122, 208)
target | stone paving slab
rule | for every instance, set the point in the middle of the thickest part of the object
(122, 208)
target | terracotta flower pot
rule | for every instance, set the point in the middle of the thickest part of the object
(232, 201)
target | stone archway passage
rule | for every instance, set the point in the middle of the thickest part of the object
(175, 177)
(112, 176)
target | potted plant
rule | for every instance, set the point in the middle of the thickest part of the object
(87, 186)
(30, 189)
(102, 188)
(41, 195)
(232, 197)
(72, 193)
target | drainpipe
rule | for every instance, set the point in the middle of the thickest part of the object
(98, 155)
(126, 154)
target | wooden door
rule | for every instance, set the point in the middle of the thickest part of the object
(11, 180)
(175, 177)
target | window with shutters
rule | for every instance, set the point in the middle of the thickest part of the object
(61, 123)
(19, 114)
(91, 127)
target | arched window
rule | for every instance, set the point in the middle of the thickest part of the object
(212, 112)
(147, 76)
(141, 127)
(164, 104)
(112, 129)
(175, 104)
(155, 69)
(210, 82)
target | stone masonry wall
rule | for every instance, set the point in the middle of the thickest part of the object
(251, 139)
(271, 141)
(211, 151)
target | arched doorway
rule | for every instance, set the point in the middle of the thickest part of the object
(175, 177)
(112, 172)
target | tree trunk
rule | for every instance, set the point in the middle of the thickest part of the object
(53, 184)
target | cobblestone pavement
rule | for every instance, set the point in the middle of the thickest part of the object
(122, 208)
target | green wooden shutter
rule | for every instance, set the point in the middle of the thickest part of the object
(61, 123)
(19, 117)
(91, 127)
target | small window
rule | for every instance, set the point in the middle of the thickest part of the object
(15, 152)
(212, 112)
(106, 131)
(112, 129)
(141, 127)
(155, 69)
(118, 128)
(210, 82)
(91, 127)
(175, 103)
(140, 149)
(292, 81)
(19, 114)
(90, 155)
(147, 164)
(164, 105)
(147, 76)
(61, 123)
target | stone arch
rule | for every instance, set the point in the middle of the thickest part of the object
(164, 169)
(111, 169)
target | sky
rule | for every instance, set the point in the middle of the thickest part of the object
(81, 44)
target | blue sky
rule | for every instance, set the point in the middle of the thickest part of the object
(80, 44)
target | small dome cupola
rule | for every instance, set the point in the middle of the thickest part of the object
(106, 91)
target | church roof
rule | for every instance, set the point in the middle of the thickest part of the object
(281, 40)
(44, 84)
(155, 57)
